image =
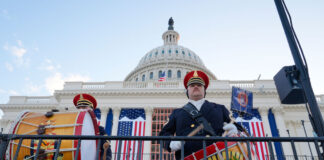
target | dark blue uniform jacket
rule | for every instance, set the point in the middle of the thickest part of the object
(181, 124)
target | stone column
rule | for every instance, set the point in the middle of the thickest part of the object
(303, 147)
(309, 131)
(2, 124)
(148, 132)
(104, 111)
(290, 127)
(116, 112)
(5, 125)
(264, 116)
(296, 131)
(7, 122)
(282, 129)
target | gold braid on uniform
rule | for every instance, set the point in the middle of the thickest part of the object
(84, 102)
(195, 80)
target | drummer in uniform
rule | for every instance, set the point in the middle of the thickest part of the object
(87, 101)
(198, 111)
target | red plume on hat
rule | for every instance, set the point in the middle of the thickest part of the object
(84, 99)
(196, 77)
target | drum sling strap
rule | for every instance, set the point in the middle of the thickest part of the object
(199, 118)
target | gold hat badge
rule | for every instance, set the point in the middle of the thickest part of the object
(81, 96)
(195, 74)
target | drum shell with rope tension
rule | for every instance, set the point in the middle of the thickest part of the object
(216, 151)
(60, 123)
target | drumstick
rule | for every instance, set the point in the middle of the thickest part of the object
(233, 121)
(196, 130)
(244, 130)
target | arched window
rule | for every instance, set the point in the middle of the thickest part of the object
(136, 79)
(143, 77)
(151, 75)
(170, 51)
(179, 74)
(160, 74)
(169, 73)
(162, 51)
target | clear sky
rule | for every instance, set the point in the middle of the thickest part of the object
(45, 43)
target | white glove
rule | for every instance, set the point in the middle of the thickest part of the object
(230, 128)
(175, 145)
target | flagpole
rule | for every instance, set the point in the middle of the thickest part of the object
(164, 75)
(166, 68)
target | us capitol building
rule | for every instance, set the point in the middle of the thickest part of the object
(142, 90)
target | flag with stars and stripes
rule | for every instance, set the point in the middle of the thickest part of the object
(162, 77)
(254, 125)
(131, 123)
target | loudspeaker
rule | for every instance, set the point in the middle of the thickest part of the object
(288, 86)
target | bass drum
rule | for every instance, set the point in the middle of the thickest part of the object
(60, 123)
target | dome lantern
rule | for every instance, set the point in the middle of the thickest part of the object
(170, 37)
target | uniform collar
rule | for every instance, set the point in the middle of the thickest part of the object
(198, 103)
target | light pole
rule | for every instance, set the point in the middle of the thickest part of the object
(310, 149)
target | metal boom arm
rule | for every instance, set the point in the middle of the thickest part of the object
(304, 77)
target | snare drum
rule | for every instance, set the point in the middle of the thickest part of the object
(60, 123)
(216, 151)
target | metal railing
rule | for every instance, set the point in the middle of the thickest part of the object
(6, 139)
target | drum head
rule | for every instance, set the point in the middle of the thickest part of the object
(88, 147)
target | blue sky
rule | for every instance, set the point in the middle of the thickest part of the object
(44, 43)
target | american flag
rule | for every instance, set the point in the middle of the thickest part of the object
(162, 77)
(131, 123)
(254, 126)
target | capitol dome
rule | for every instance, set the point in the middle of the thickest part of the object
(172, 59)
